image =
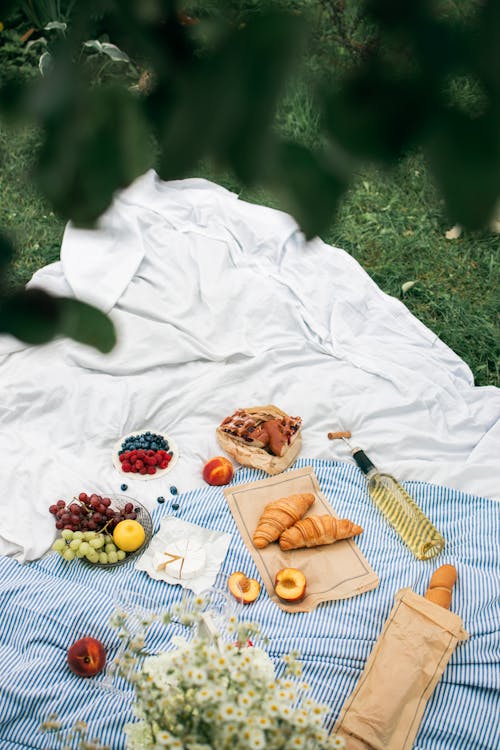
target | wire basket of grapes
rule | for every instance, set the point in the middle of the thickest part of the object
(101, 530)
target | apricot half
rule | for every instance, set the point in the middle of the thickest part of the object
(290, 585)
(246, 590)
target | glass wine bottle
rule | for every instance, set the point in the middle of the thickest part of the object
(400, 509)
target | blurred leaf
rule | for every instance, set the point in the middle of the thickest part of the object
(310, 191)
(45, 63)
(30, 315)
(86, 324)
(96, 143)
(224, 104)
(465, 158)
(378, 115)
(116, 54)
(6, 250)
(111, 50)
(93, 44)
(56, 25)
(34, 316)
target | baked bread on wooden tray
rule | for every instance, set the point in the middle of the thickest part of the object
(263, 437)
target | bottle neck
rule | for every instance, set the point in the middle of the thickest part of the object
(367, 467)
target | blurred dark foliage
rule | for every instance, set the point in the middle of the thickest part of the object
(215, 74)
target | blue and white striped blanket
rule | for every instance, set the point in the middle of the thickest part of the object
(48, 604)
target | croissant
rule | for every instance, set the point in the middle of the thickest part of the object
(316, 530)
(280, 515)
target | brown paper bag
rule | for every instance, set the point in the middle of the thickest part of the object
(333, 571)
(407, 661)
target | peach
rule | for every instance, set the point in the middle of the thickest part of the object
(218, 470)
(290, 585)
(246, 590)
(86, 657)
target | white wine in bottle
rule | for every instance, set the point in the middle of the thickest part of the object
(400, 509)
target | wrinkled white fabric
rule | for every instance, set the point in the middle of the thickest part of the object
(221, 304)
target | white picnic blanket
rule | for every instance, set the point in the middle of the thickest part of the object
(221, 304)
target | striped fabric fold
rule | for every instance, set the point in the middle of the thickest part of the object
(46, 605)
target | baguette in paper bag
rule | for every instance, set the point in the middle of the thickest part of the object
(263, 437)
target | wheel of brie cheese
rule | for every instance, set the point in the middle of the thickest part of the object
(181, 560)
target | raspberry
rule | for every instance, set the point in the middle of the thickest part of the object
(134, 469)
(150, 453)
(126, 466)
(143, 470)
(122, 457)
(139, 464)
(163, 464)
(141, 453)
(151, 470)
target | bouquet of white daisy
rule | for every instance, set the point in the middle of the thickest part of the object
(208, 693)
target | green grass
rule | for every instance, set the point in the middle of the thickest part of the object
(392, 223)
(24, 215)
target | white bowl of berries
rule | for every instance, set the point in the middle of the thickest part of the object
(145, 455)
(87, 525)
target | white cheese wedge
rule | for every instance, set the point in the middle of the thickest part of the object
(184, 559)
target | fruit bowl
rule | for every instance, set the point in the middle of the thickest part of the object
(67, 538)
(134, 474)
(143, 517)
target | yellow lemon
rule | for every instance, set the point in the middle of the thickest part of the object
(128, 535)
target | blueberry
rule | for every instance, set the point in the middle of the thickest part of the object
(175, 506)
(173, 490)
(154, 446)
(124, 487)
(160, 499)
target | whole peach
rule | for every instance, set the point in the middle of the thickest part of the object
(218, 470)
(86, 657)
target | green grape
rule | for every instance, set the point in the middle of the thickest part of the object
(121, 554)
(59, 545)
(103, 558)
(68, 554)
(112, 557)
(88, 535)
(92, 556)
(98, 542)
(110, 548)
(79, 553)
(108, 539)
(84, 547)
(67, 534)
(74, 544)
(78, 535)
